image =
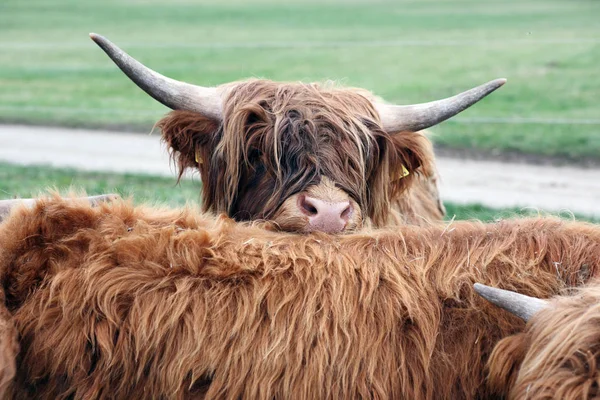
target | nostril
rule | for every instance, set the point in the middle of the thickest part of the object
(310, 209)
(347, 212)
(307, 207)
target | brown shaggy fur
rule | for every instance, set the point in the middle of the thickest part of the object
(9, 347)
(557, 356)
(279, 139)
(123, 302)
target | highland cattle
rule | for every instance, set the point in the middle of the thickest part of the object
(557, 356)
(308, 157)
(116, 301)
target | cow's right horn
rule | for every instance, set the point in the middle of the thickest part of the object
(520, 305)
(173, 94)
(417, 117)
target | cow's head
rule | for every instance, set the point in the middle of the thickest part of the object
(305, 156)
(556, 355)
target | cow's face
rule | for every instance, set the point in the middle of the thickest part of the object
(305, 157)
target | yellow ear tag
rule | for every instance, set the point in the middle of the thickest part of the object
(198, 158)
(403, 174)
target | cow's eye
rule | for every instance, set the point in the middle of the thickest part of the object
(255, 156)
(255, 159)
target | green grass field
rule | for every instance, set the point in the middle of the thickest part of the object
(404, 50)
(31, 181)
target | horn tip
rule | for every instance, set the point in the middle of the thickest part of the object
(96, 38)
(499, 82)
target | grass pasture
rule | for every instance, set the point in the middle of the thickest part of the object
(404, 50)
(32, 181)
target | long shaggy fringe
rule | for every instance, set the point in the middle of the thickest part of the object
(278, 139)
(557, 356)
(122, 302)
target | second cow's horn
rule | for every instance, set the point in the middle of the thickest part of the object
(520, 305)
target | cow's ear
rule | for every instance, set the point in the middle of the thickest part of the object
(189, 137)
(414, 154)
(504, 364)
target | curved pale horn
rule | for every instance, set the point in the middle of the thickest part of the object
(173, 94)
(417, 117)
(520, 305)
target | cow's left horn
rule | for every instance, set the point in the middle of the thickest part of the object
(173, 94)
(520, 305)
(416, 117)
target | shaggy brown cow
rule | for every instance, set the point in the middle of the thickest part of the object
(558, 354)
(124, 302)
(306, 156)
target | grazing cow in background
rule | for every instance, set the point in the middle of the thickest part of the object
(122, 302)
(558, 354)
(305, 156)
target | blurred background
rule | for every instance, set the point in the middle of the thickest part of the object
(53, 75)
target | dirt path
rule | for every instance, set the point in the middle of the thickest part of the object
(498, 184)
(464, 181)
